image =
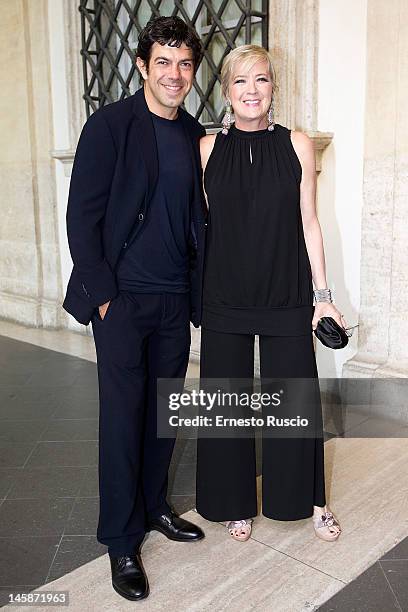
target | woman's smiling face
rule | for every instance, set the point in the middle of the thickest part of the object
(250, 92)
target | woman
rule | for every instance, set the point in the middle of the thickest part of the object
(264, 248)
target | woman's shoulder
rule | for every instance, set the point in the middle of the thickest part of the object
(296, 135)
(206, 147)
(207, 140)
(303, 145)
(301, 139)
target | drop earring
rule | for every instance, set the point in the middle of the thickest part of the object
(226, 122)
(271, 122)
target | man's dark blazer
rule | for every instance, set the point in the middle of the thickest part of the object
(113, 178)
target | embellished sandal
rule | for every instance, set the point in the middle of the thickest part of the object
(240, 530)
(326, 519)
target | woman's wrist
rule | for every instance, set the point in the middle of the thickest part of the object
(323, 295)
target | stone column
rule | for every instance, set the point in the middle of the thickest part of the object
(76, 114)
(293, 42)
(30, 276)
(383, 332)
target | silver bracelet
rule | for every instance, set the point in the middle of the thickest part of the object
(322, 295)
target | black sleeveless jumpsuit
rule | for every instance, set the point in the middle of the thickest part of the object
(257, 281)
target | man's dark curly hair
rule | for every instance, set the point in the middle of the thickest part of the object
(171, 31)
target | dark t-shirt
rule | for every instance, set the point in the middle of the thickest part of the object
(157, 260)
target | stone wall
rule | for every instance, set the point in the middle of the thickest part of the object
(30, 277)
(382, 347)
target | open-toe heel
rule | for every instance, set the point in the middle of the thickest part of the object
(240, 530)
(323, 523)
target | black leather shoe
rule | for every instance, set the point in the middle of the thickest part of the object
(175, 528)
(128, 577)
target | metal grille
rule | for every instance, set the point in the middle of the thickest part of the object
(110, 29)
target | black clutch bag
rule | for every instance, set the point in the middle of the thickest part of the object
(330, 333)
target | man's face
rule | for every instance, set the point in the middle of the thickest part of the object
(169, 76)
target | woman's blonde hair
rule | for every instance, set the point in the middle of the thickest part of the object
(247, 56)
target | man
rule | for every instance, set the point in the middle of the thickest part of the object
(135, 222)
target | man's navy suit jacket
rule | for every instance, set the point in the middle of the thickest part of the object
(113, 178)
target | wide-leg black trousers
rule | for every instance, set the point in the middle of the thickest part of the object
(292, 468)
(142, 337)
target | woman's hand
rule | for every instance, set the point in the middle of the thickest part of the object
(327, 309)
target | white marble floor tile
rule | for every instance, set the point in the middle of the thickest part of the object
(216, 574)
(367, 489)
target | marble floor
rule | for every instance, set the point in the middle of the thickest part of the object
(49, 505)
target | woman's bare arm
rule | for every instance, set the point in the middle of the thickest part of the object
(311, 226)
(304, 149)
(206, 147)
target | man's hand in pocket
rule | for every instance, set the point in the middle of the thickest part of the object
(103, 309)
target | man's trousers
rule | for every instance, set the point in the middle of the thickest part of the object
(141, 338)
